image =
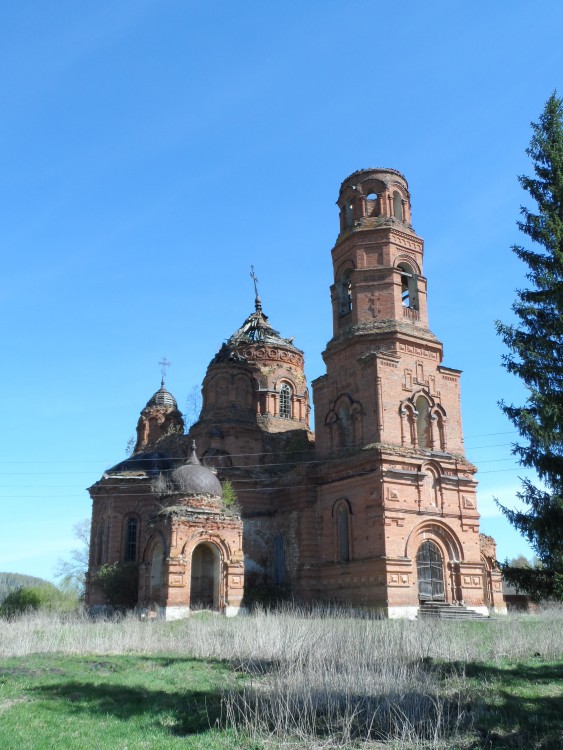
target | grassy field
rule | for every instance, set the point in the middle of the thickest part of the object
(281, 680)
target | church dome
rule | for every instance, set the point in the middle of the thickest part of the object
(194, 479)
(162, 398)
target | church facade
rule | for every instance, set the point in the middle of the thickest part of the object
(376, 509)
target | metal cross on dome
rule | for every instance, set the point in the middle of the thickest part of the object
(164, 364)
(254, 278)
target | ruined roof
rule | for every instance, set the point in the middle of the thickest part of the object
(368, 171)
(256, 329)
(148, 464)
(162, 398)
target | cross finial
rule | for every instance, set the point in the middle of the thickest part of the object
(257, 300)
(164, 364)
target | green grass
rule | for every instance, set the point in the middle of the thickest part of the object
(118, 702)
(286, 680)
(517, 706)
(126, 702)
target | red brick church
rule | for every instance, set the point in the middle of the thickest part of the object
(377, 509)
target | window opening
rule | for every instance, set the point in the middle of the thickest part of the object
(397, 206)
(344, 424)
(343, 534)
(349, 213)
(409, 287)
(131, 540)
(100, 545)
(345, 293)
(285, 401)
(107, 541)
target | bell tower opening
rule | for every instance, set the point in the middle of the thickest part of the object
(409, 286)
(345, 303)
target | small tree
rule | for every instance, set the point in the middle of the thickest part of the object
(72, 573)
(535, 355)
(193, 407)
(230, 499)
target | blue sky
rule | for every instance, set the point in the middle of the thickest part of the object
(150, 152)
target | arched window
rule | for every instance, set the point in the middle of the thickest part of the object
(349, 213)
(131, 534)
(371, 204)
(409, 286)
(343, 534)
(423, 422)
(344, 423)
(285, 401)
(397, 206)
(345, 293)
(100, 545)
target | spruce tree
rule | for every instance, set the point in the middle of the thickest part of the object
(535, 345)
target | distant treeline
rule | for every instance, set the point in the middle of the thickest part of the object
(11, 581)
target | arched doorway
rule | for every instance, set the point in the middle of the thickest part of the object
(205, 577)
(430, 569)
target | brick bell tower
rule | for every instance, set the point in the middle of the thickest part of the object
(397, 497)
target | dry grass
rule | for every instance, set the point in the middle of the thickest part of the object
(319, 679)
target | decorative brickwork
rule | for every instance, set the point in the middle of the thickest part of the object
(379, 510)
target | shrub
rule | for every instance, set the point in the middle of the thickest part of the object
(32, 598)
(119, 583)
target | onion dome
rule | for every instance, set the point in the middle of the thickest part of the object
(194, 479)
(159, 419)
(162, 398)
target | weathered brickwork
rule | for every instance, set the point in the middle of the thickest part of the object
(378, 509)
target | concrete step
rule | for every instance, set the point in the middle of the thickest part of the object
(444, 611)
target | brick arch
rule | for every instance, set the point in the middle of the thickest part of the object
(432, 487)
(207, 538)
(346, 266)
(371, 185)
(409, 260)
(409, 418)
(439, 533)
(345, 417)
(152, 541)
(451, 551)
(284, 379)
(341, 501)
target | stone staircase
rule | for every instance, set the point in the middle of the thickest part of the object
(443, 611)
